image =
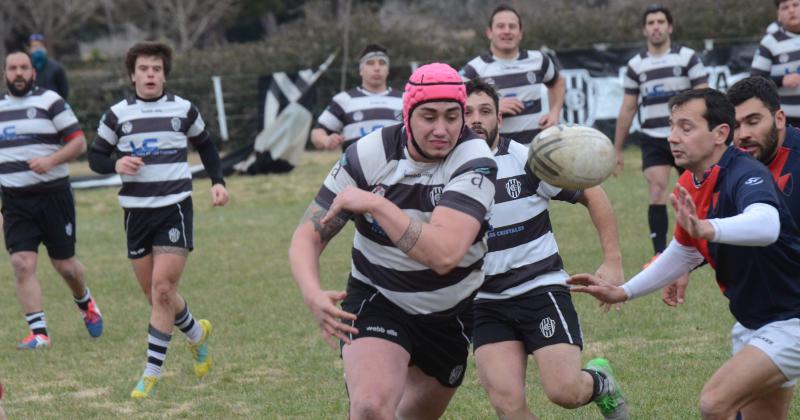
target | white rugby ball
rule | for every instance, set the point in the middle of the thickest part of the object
(572, 157)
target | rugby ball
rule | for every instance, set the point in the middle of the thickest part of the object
(572, 157)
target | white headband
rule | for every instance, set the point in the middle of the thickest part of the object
(372, 55)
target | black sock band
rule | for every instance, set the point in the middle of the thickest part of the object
(658, 220)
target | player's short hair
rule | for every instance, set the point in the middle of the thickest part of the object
(478, 85)
(149, 49)
(17, 52)
(373, 48)
(719, 110)
(755, 87)
(656, 8)
(778, 3)
(505, 8)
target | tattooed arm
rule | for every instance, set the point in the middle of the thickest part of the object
(308, 242)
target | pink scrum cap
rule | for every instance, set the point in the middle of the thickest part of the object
(432, 82)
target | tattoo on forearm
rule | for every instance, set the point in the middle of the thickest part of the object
(314, 213)
(410, 237)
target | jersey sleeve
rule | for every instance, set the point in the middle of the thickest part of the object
(631, 81)
(549, 70)
(697, 71)
(346, 172)
(196, 133)
(468, 73)
(332, 119)
(106, 134)
(755, 186)
(64, 120)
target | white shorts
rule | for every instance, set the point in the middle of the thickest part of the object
(780, 340)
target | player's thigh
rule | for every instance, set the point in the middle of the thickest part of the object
(375, 369)
(57, 222)
(501, 367)
(771, 405)
(21, 229)
(424, 397)
(559, 367)
(742, 378)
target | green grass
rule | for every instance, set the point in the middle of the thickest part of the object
(270, 359)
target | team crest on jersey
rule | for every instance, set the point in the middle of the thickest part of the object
(531, 76)
(642, 78)
(548, 327)
(358, 116)
(513, 188)
(783, 58)
(31, 113)
(176, 123)
(436, 195)
(174, 235)
(127, 127)
(455, 374)
(68, 229)
(676, 71)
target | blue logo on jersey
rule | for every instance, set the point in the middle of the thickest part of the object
(657, 91)
(148, 148)
(374, 127)
(9, 133)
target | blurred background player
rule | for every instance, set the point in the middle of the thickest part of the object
(359, 111)
(730, 214)
(40, 135)
(778, 58)
(419, 194)
(656, 74)
(50, 74)
(518, 76)
(524, 306)
(150, 132)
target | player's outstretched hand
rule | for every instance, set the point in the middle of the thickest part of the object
(675, 294)
(686, 215)
(597, 287)
(613, 273)
(219, 195)
(329, 317)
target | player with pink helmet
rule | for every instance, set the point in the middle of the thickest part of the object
(419, 194)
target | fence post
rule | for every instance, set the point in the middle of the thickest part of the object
(223, 124)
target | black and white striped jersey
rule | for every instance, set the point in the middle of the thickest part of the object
(463, 181)
(357, 112)
(157, 131)
(519, 78)
(658, 78)
(777, 55)
(523, 254)
(35, 125)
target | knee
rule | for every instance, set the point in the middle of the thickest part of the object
(714, 406)
(508, 402)
(70, 269)
(565, 397)
(161, 294)
(370, 407)
(24, 265)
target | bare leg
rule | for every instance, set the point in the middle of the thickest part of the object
(375, 372)
(501, 369)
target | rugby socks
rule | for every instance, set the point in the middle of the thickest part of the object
(659, 223)
(83, 302)
(36, 322)
(601, 386)
(188, 325)
(157, 344)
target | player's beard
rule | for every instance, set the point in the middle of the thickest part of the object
(770, 146)
(491, 135)
(12, 88)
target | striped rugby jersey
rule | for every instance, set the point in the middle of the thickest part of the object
(158, 132)
(523, 254)
(35, 125)
(777, 55)
(358, 112)
(519, 78)
(463, 181)
(658, 78)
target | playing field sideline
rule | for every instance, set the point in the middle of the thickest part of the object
(270, 359)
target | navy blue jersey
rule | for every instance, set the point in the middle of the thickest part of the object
(762, 283)
(785, 168)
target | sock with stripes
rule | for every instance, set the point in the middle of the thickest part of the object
(157, 344)
(188, 325)
(36, 322)
(600, 384)
(83, 302)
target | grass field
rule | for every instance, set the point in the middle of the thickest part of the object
(270, 359)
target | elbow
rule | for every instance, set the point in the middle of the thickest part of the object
(445, 264)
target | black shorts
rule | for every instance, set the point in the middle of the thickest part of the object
(162, 226)
(539, 318)
(656, 152)
(30, 220)
(439, 346)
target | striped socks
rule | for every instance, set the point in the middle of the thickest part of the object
(157, 344)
